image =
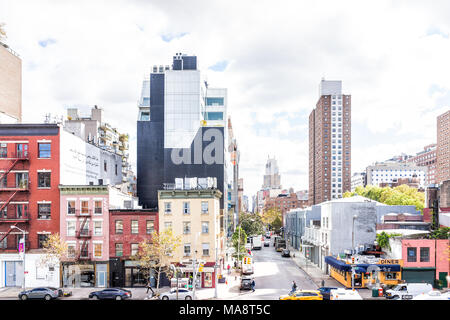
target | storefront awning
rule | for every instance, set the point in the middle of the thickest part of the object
(360, 268)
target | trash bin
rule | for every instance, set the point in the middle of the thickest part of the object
(374, 292)
(380, 292)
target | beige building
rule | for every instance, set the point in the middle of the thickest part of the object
(10, 85)
(195, 216)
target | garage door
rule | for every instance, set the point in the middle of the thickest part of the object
(419, 275)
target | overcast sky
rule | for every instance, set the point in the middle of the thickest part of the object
(393, 57)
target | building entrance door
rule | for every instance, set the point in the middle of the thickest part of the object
(14, 274)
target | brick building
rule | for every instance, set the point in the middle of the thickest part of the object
(443, 148)
(426, 158)
(127, 228)
(285, 202)
(330, 144)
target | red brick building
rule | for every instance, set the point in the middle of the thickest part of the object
(29, 178)
(426, 158)
(443, 148)
(285, 202)
(127, 228)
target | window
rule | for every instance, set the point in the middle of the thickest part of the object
(98, 228)
(44, 210)
(214, 116)
(187, 249)
(119, 249)
(44, 150)
(186, 227)
(210, 101)
(412, 254)
(4, 182)
(42, 238)
(204, 207)
(71, 225)
(97, 250)
(150, 226)
(134, 249)
(22, 180)
(424, 254)
(105, 165)
(71, 251)
(98, 207)
(205, 249)
(21, 211)
(84, 207)
(115, 168)
(119, 227)
(167, 207)
(44, 179)
(3, 150)
(186, 208)
(168, 225)
(205, 227)
(71, 207)
(134, 226)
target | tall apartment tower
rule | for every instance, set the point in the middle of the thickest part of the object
(443, 148)
(272, 176)
(10, 85)
(180, 130)
(330, 144)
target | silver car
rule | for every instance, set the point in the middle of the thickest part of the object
(183, 294)
(39, 293)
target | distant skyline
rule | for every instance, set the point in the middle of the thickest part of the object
(392, 57)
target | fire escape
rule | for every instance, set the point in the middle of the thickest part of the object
(12, 190)
(83, 233)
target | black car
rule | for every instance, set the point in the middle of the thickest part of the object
(326, 291)
(246, 283)
(285, 253)
(111, 293)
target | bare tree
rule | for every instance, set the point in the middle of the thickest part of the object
(156, 254)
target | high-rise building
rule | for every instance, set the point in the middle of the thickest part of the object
(389, 173)
(180, 130)
(443, 148)
(426, 158)
(330, 144)
(272, 176)
(10, 85)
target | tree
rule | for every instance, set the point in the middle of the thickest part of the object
(239, 242)
(55, 249)
(2, 31)
(155, 254)
(383, 239)
(441, 233)
(270, 215)
(251, 223)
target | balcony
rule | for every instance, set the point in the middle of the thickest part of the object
(84, 234)
(15, 155)
(14, 247)
(13, 219)
(21, 186)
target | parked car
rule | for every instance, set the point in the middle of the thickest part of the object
(246, 283)
(325, 292)
(183, 294)
(39, 293)
(344, 294)
(60, 291)
(266, 242)
(407, 291)
(111, 293)
(433, 295)
(285, 253)
(303, 295)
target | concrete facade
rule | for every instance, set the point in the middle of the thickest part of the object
(10, 86)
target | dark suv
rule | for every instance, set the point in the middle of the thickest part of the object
(326, 291)
(246, 283)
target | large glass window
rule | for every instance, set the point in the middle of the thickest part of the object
(44, 150)
(44, 179)
(212, 101)
(214, 116)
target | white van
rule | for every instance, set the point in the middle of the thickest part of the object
(344, 294)
(407, 291)
(257, 243)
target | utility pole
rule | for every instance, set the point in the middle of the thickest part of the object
(215, 274)
(23, 253)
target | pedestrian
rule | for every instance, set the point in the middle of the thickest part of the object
(149, 287)
(294, 286)
(323, 283)
(253, 285)
(228, 267)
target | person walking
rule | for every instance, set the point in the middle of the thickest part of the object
(294, 286)
(228, 268)
(253, 285)
(149, 287)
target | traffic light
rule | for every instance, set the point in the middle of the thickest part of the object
(200, 268)
(353, 260)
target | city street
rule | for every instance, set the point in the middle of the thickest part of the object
(273, 276)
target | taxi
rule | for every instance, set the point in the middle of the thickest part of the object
(303, 295)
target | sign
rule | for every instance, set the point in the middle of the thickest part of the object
(389, 261)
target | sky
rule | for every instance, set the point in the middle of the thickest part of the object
(392, 57)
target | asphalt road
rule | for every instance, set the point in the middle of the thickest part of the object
(273, 276)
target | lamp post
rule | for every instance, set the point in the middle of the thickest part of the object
(23, 254)
(353, 248)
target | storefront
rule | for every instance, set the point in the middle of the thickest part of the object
(205, 277)
(87, 274)
(385, 271)
(420, 275)
(135, 276)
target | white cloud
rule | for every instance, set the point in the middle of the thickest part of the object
(383, 51)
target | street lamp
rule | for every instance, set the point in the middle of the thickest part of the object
(353, 248)
(23, 256)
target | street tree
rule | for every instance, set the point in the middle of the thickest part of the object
(55, 250)
(251, 223)
(154, 255)
(272, 215)
(238, 240)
